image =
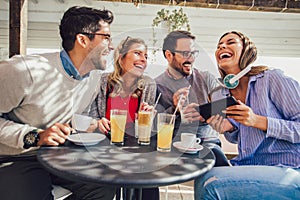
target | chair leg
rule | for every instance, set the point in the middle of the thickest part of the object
(166, 193)
(118, 194)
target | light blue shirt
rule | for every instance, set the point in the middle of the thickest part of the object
(276, 96)
(68, 65)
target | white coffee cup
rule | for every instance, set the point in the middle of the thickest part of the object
(188, 140)
(81, 122)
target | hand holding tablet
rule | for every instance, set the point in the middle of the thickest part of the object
(216, 107)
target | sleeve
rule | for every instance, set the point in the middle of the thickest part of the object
(98, 106)
(94, 111)
(232, 137)
(211, 82)
(15, 82)
(285, 95)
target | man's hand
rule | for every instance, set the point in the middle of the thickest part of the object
(220, 124)
(54, 135)
(191, 113)
(176, 96)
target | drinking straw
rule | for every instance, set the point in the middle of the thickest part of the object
(143, 96)
(157, 101)
(144, 92)
(177, 107)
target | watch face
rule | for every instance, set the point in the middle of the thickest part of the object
(30, 138)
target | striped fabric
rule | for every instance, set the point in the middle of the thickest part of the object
(276, 96)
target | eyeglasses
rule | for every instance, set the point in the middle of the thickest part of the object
(107, 36)
(187, 54)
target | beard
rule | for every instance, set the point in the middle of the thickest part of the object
(180, 68)
(100, 63)
(98, 57)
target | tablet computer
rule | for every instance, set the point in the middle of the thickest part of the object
(216, 107)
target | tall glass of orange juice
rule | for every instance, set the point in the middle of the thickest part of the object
(117, 126)
(165, 127)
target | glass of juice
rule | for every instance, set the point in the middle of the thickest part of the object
(145, 119)
(165, 128)
(117, 126)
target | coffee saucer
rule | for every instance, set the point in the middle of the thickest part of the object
(86, 139)
(191, 150)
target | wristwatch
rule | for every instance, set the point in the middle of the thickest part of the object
(31, 139)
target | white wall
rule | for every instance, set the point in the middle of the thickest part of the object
(206, 62)
(275, 34)
(290, 66)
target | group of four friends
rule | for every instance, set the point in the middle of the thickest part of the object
(40, 93)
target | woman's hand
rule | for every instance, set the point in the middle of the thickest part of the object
(104, 125)
(146, 107)
(245, 115)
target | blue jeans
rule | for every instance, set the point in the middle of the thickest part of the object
(249, 182)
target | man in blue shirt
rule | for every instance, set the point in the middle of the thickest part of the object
(37, 108)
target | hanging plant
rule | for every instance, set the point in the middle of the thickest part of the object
(174, 20)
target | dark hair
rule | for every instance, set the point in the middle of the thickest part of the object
(170, 40)
(81, 19)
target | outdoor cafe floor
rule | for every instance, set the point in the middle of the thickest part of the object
(177, 192)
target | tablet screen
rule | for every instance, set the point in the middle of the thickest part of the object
(216, 107)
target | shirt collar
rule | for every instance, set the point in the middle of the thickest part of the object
(254, 78)
(68, 65)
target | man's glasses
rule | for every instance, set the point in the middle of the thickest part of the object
(107, 36)
(187, 54)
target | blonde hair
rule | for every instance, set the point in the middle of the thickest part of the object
(115, 78)
(248, 56)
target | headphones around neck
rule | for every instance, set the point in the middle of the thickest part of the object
(231, 81)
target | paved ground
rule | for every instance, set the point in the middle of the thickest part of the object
(183, 191)
(177, 192)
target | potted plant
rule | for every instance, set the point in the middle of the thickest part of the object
(173, 20)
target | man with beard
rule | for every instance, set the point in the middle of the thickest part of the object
(181, 79)
(39, 95)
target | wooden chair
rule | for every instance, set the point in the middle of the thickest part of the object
(228, 148)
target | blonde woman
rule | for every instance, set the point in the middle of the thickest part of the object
(126, 88)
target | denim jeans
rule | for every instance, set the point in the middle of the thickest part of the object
(249, 182)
